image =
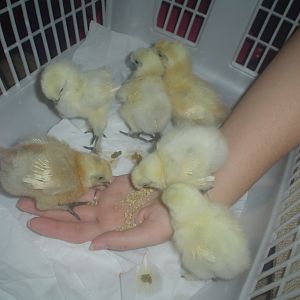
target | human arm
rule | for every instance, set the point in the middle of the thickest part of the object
(263, 127)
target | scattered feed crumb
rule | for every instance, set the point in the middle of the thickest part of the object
(116, 154)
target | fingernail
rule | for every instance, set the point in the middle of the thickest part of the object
(28, 224)
(92, 247)
(99, 246)
(32, 229)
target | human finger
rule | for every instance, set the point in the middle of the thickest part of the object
(28, 205)
(86, 212)
(73, 232)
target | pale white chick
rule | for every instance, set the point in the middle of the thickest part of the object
(145, 104)
(193, 99)
(51, 172)
(208, 237)
(80, 94)
(187, 154)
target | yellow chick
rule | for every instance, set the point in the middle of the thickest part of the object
(145, 104)
(187, 154)
(51, 172)
(208, 237)
(80, 94)
(192, 99)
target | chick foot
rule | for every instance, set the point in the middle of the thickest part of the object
(70, 208)
(138, 135)
(93, 141)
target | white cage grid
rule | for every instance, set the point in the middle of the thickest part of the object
(183, 19)
(278, 275)
(279, 271)
(272, 24)
(34, 32)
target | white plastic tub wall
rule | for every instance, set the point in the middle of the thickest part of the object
(214, 54)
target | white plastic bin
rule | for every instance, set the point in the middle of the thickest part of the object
(231, 42)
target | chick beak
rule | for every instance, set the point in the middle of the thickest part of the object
(102, 185)
(106, 183)
(135, 61)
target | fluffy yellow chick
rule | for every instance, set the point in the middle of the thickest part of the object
(80, 94)
(192, 99)
(145, 104)
(51, 172)
(207, 236)
(187, 154)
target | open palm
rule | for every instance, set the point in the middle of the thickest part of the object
(99, 224)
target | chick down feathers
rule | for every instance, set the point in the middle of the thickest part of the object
(187, 154)
(80, 94)
(192, 99)
(51, 172)
(145, 103)
(209, 239)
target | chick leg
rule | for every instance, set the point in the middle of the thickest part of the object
(137, 135)
(155, 137)
(93, 141)
(47, 205)
(70, 208)
(93, 144)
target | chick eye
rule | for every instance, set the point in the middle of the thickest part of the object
(136, 62)
(60, 94)
(100, 178)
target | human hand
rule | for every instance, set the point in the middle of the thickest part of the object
(99, 224)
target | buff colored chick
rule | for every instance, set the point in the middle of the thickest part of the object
(51, 172)
(207, 236)
(192, 99)
(145, 104)
(187, 154)
(79, 94)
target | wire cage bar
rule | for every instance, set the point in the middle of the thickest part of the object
(33, 32)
